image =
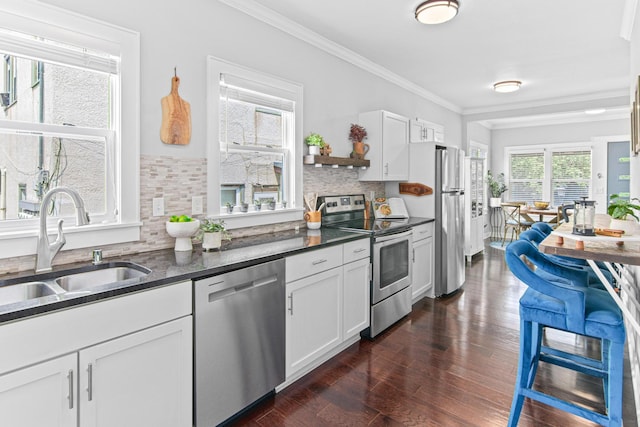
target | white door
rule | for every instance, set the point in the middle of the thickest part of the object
(314, 317)
(140, 380)
(41, 395)
(356, 291)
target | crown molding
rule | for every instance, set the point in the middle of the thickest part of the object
(621, 113)
(628, 18)
(270, 17)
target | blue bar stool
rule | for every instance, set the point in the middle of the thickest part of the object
(534, 237)
(577, 309)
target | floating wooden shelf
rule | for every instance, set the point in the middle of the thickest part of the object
(415, 189)
(336, 161)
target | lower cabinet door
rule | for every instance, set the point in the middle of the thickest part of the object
(422, 267)
(142, 379)
(41, 395)
(356, 290)
(314, 318)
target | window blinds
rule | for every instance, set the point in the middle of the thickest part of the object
(264, 95)
(526, 177)
(570, 176)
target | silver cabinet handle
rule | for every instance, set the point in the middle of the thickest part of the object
(414, 255)
(386, 168)
(70, 397)
(291, 303)
(357, 251)
(320, 261)
(90, 382)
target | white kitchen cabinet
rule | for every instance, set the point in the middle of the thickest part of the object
(314, 317)
(356, 288)
(41, 395)
(328, 293)
(423, 255)
(424, 131)
(142, 379)
(141, 363)
(474, 206)
(388, 138)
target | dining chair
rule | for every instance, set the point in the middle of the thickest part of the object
(576, 309)
(513, 219)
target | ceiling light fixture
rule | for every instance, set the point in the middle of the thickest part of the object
(436, 11)
(595, 111)
(507, 86)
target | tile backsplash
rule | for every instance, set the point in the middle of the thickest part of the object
(177, 180)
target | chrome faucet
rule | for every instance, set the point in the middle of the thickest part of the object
(47, 251)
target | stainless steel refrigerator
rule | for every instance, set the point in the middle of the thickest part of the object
(449, 224)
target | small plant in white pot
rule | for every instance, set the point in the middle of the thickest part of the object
(622, 213)
(315, 143)
(213, 232)
(496, 188)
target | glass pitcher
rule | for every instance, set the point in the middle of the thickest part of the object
(584, 217)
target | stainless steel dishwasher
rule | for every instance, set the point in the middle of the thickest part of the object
(239, 340)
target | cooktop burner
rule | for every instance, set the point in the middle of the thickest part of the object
(348, 213)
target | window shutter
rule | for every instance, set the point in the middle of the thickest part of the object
(526, 176)
(571, 176)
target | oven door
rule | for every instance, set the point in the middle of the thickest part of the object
(391, 264)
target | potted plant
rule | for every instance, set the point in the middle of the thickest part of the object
(256, 205)
(229, 207)
(622, 212)
(269, 203)
(212, 232)
(496, 188)
(315, 143)
(357, 134)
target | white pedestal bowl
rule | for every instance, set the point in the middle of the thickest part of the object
(182, 231)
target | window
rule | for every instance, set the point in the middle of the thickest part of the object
(10, 79)
(78, 86)
(561, 175)
(255, 129)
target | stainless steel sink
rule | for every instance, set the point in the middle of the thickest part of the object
(24, 291)
(84, 279)
(109, 274)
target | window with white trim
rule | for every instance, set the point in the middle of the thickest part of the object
(77, 96)
(256, 127)
(560, 175)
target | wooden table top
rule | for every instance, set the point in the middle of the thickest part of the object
(597, 248)
(533, 210)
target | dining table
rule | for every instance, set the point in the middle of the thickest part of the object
(542, 213)
(613, 252)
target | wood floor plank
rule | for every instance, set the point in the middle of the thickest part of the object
(451, 362)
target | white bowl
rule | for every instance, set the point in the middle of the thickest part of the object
(183, 231)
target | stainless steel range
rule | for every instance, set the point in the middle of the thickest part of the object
(391, 252)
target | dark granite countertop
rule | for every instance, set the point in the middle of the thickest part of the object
(168, 266)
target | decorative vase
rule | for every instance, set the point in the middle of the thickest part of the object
(211, 241)
(495, 202)
(314, 150)
(360, 149)
(629, 226)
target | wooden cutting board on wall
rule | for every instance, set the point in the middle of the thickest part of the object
(176, 117)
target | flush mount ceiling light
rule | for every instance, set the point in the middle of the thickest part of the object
(436, 11)
(595, 111)
(507, 86)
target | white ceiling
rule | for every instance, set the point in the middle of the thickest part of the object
(559, 49)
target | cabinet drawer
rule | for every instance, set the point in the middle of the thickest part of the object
(313, 262)
(422, 231)
(354, 251)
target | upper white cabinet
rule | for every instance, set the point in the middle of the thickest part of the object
(424, 131)
(388, 138)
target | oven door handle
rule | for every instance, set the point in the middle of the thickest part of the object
(379, 239)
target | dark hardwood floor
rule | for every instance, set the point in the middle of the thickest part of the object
(451, 362)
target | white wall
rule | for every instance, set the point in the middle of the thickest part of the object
(595, 134)
(183, 34)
